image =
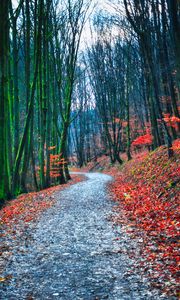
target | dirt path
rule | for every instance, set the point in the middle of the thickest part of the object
(74, 253)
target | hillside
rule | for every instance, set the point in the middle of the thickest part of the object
(147, 191)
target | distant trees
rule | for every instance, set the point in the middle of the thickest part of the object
(106, 78)
(85, 130)
(74, 23)
(117, 83)
(133, 71)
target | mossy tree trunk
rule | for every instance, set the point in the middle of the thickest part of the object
(4, 100)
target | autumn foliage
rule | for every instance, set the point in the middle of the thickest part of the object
(147, 191)
(28, 207)
(146, 140)
(171, 121)
(56, 161)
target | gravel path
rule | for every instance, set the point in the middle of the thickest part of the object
(73, 253)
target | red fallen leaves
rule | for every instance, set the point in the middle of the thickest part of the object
(28, 207)
(17, 216)
(148, 193)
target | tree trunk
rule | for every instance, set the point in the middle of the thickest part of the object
(4, 100)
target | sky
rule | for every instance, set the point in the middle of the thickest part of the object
(100, 5)
(86, 35)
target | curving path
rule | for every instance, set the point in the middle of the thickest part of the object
(73, 253)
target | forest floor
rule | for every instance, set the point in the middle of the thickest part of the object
(76, 243)
(147, 192)
(20, 214)
(72, 252)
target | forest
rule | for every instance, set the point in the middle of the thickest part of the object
(89, 149)
(62, 103)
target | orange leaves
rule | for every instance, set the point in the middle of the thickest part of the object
(23, 207)
(28, 207)
(54, 174)
(148, 196)
(175, 119)
(52, 148)
(120, 122)
(54, 157)
(166, 118)
(55, 162)
(176, 145)
(171, 121)
(146, 140)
